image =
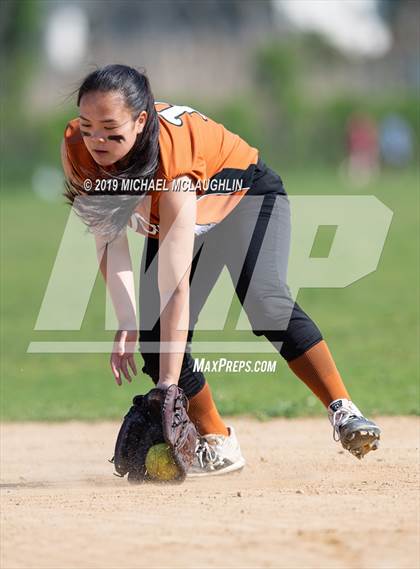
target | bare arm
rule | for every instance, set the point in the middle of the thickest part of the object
(116, 268)
(177, 213)
(115, 263)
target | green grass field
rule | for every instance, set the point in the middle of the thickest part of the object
(371, 326)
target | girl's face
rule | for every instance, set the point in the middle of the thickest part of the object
(106, 124)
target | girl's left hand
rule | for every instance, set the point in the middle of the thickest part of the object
(122, 356)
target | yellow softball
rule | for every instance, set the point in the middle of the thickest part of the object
(159, 463)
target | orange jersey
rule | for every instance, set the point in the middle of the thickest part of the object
(220, 164)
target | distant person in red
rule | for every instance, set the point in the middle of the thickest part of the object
(362, 148)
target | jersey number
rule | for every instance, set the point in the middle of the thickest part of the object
(174, 114)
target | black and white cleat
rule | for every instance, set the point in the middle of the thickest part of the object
(357, 434)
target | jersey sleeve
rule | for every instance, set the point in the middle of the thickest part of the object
(64, 160)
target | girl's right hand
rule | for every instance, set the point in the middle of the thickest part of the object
(122, 356)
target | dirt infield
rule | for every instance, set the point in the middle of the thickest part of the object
(300, 502)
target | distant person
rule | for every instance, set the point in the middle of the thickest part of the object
(122, 134)
(362, 148)
(396, 141)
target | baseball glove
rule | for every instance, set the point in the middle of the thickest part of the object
(160, 416)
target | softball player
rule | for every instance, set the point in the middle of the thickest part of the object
(232, 211)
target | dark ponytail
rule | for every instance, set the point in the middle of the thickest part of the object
(104, 214)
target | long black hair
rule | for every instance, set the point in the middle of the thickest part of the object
(105, 214)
